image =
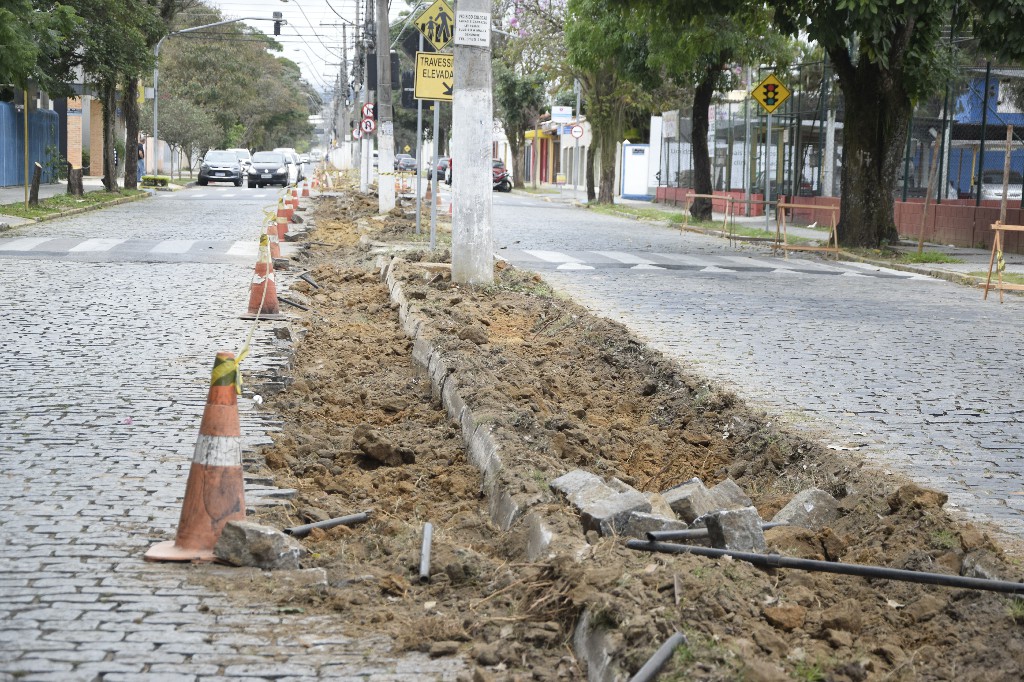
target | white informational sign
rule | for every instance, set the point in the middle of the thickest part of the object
(670, 119)
(387, 128)
(473, 29)
(561, 114)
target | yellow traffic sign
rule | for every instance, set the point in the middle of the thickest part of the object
(437, 24)
(770, 93)
(435, 76)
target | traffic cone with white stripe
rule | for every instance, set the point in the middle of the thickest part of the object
(275, 243)
(263, 302)
(215, 491)
(305, 188)
(284, 210)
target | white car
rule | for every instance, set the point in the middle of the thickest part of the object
(992, 186)
(244, 158)
(294, 165)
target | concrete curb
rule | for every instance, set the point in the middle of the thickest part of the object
(591, 644)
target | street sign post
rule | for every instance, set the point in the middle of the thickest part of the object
(577, 131)
(437, 24)
(357, 134)
(435, 76)
(367, 110)
(770, 93)
(368, 125)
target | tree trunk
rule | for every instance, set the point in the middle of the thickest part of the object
(75, 186)
(37, 175)
(515, 145)
(591, 194)
(705, 90)
(109, 106)
(131, 138)
(874, 136)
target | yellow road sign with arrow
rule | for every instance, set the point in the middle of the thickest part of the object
(435, 76)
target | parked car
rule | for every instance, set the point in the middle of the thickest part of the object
(244, 157)
(992, 186)
(407, 163)
(399, 157)
(268, 168)
(220, 165)
(294, 165)
(304, 158)
(442, 168)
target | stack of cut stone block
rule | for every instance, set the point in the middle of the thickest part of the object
(724, 510)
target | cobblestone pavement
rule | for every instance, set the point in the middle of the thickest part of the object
(107, 366)
(918, 375)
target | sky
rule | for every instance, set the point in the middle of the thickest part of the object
(312, 38)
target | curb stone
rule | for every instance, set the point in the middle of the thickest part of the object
(591, 644)
(84, 209)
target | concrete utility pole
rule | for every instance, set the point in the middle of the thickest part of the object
(385, 119)
(472, 131)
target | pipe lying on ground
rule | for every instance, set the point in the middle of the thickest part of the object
(694, 533)
(654, 664)
(308, 278)
(428, 537)
(292, 303)
(861, 570)
(351, 519)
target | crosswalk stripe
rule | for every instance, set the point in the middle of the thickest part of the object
(96, 245)
(553, 256)
(624, 257)
(173, 246)
(24, 244)
(244, 248)
(574, 266)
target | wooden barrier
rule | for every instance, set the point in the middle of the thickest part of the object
(996, 261)
(687, 203)
(781, 240)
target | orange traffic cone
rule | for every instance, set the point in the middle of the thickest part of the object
(305, 188)
(275, 243)
(215, 491)
(284, 209)
(263, 290)
(282, 225)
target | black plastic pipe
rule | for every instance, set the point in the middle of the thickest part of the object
(694, 533)
(880, 572)
(351, 519)
(428, 537)
(654, 664)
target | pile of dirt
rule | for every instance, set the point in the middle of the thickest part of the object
(566, 390)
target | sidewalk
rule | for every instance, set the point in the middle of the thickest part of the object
(16, 194)
(971, 260)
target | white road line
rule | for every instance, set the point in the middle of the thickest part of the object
(96, 245)
(24, 244)
(754, 262)
(244, 248)
(646, 266)
(715, 268)
(887, 271)
(623, 257)
(173, 246)
(554, 256)
(574, 266)
(688, 260)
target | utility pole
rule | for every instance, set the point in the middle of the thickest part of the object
(385, 119)
(365, 166)
(472, 124)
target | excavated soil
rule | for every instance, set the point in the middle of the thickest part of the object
(568, 390)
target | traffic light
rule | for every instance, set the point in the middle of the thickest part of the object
(278, 20)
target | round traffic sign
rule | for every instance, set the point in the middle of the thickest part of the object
(367, 110)
(577, 131)
(357, 133)
(367, 125)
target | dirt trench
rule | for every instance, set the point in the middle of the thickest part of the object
(567, 390)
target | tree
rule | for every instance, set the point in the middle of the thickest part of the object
(518, 101)
(185, 126)
(33, 34)
(610, 60)
(694, 51)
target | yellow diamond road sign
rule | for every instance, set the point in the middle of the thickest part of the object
(770, 93)
(437, 24)
(435, 76)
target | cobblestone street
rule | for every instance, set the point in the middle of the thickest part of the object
(918, 375)
(107, 366)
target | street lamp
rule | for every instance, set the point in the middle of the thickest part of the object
(277, 19)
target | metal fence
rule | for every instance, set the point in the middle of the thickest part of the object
(42, 144)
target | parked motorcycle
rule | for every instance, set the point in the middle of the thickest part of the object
(500, 180)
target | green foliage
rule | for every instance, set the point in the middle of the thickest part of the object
(61, 203)
(32, 33)
(928, 257)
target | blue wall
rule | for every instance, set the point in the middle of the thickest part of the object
(42, 133)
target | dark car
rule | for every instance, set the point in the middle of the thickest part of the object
(407, 163)
(442, 167)
(220, 165)
(497, 163)
(268, 168)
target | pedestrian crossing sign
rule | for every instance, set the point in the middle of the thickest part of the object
(770, 93)
(437, 24)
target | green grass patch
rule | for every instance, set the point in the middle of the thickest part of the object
(65, 202)
(537, 190)
(674, 217)
(927, 257)
(1008, 277)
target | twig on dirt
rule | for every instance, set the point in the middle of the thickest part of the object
(495, 594)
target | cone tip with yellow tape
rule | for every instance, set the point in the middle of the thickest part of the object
(215, 490)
